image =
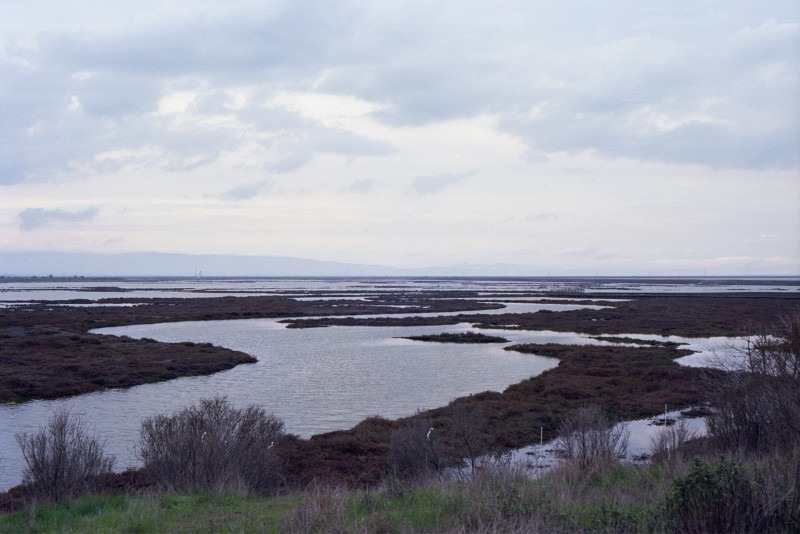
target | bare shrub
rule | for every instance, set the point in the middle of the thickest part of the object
(415, 451)
(668, 444)
(212, 445)
(465, 434)
(63, 459)
(757, 402)
(589, 441)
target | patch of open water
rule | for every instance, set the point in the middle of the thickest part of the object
(316, 380)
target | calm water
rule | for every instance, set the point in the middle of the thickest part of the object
(316, 380)
(43, 289)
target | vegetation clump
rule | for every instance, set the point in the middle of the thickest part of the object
(714, 497)
(212, 446)
(415, 451)
(757, 402)
(463, 337)
(63, 459)
(589, 441)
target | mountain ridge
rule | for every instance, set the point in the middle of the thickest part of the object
(43, 263)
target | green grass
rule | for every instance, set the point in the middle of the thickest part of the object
(499, 499)
(621, 498)
(196, 512)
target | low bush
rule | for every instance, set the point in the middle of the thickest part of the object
(214, 446)
(714, 497)
(589, 441)
(757, 402)
(670, 444)
(415, 451)
(63, 459)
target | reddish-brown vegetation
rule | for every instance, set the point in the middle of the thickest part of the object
(461, 337)
(46, 352)
(627, 381)
(681, 315)
(58, 364)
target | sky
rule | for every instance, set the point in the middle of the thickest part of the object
(578, 137)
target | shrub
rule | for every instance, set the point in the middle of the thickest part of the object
(212, 445)
(779, 492)
(63, 459)
(669, 444)
(758, 401)
(464, 431)
(713, 497)
(414, 451)
(589, 441)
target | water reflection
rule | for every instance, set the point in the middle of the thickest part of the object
(317, 380)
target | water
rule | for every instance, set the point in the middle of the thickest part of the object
(43, 289)
(316, 380)
(715, 352)
(538, 459)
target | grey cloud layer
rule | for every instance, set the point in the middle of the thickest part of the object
(34, 218)
(703, 84)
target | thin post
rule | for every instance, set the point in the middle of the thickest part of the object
(666, 435)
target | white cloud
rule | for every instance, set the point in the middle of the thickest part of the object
(245, 191)
(577, 122)
(429, 185)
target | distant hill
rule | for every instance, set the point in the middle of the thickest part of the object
(164, 264)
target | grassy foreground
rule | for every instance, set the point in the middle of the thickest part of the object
(499, 498)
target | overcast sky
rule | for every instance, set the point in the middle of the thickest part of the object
(590, 137)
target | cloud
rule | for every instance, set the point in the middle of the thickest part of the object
(246, 191)
(429, 185)
(688, 84)
(538, 217)
(34, 218)
(590, 253)
(362, 186)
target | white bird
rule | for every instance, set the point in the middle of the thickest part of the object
(428, 435)
(270, 445)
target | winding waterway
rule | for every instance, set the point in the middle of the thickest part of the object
(316, 380)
